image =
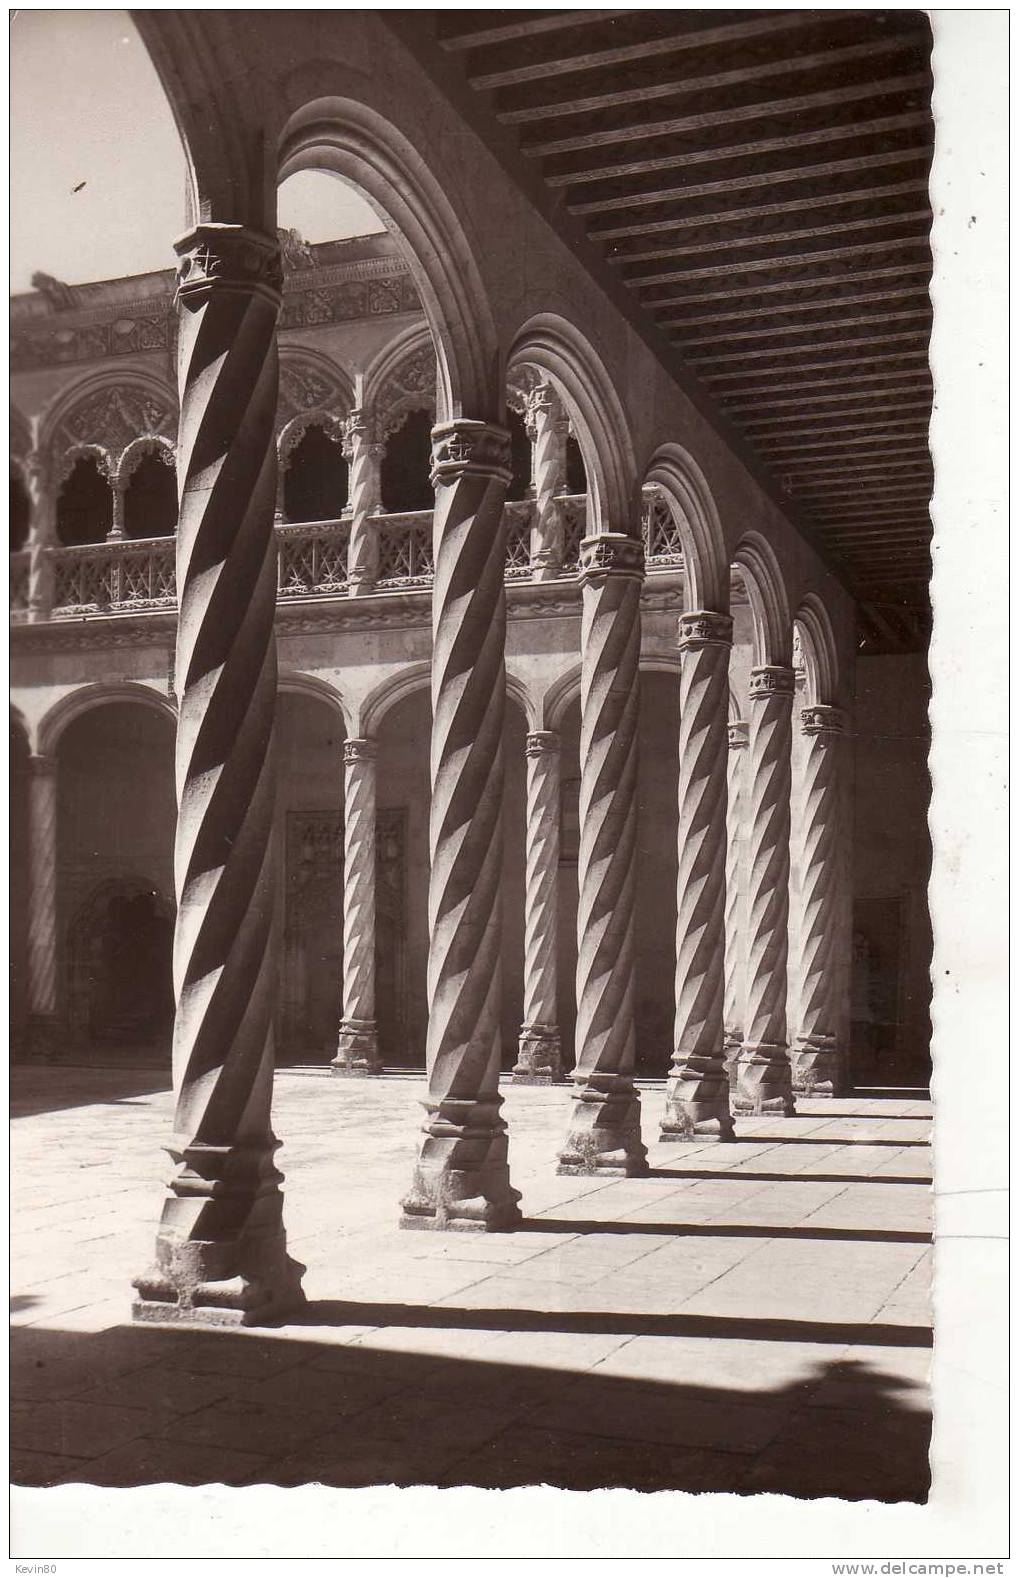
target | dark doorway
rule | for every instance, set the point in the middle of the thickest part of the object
(120, 977)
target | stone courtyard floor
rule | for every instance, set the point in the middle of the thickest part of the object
(748, 1317)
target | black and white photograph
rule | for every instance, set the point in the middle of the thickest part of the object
(483, 942)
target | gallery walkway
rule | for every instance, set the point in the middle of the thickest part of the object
(749, 1317)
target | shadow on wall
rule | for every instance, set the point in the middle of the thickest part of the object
(135, 1406)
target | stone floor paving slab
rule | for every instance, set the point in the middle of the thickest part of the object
(715, 1325)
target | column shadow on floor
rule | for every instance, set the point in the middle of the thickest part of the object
(744, 1175)
(143, 1405)
(626, 1228)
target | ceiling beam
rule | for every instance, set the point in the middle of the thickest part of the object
(806, 422)
(526, 27)
(723, 153)
(749, 180)
(783, 352)
(529, 109)
(856, 383)
(912, 217)
(755, 213)
(895, 244)
(669, 43)
(822, 325)
(827, 366)
(844, 300)
(795, 288)
(726, 115)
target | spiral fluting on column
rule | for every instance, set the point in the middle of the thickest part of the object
(735, 919)
(604, 1133)
(221, 1248)
(816, 1066)
(462, 1175)
(357, 1050)
(41, 536)
(547, 426)
(42, 904)
(539, 1060)
(764, 1082)
(363, 454)
(697, 1096)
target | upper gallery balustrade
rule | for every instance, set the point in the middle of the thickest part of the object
(132, 575)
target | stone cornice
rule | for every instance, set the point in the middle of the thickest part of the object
(325, 615)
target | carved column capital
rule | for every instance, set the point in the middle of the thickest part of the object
(611, 554)
(703, 628)
(542, 404)
(738, 734)
(219, 257)
(358, 428)
(542, 742)
(771, 679)
(359, 750)
(826, 722)
(469, 448)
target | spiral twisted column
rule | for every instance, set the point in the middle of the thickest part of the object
(735, 916)
(539, 1059)
(697, 1093)
(604, 1133)
(357, 1049)
(42, 906)
(816, 1068)
(764, 1081)
(221, 1248)
(462, 1175)
(42, 536)
(548, 428)
(364, 499)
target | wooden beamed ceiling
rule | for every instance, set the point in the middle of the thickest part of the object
(759, 181)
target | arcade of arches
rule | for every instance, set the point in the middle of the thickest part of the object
(576, 765)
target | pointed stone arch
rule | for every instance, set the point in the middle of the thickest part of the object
(769, 603)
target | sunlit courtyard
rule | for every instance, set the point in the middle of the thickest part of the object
(748, 1317)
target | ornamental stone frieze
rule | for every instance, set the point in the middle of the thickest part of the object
(410, 386)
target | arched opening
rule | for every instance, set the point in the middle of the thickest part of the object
(316, 479)
(18, 957)
(405, 473)
(309, 899)
(115, 824)
(20, 516)
(520, 456)
(576, 471)
(150, 501)
(84, 504)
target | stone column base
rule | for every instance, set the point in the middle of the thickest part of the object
(183, 1288)
(764, 1081)
(357, 1048)
(604, 1135)
(697, 1103)
(462, 1183)
(817, 1066)
(539, 1056)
